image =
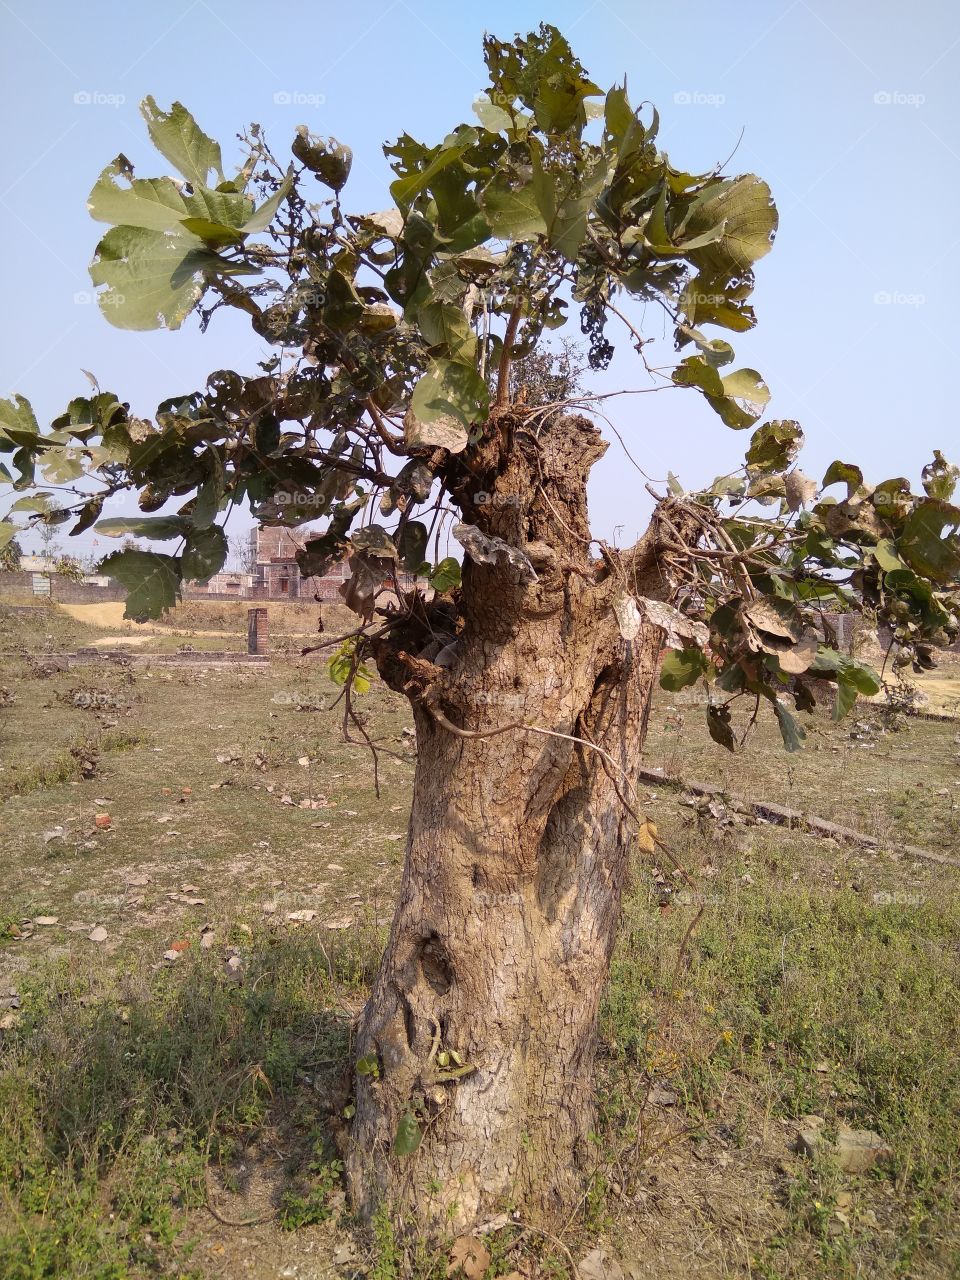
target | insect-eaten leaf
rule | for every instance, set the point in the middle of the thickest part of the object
(489, 550)
(719, 726)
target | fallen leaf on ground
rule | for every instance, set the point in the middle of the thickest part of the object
(647, 837)
(469, 1258)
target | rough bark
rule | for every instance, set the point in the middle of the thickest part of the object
(516, 857)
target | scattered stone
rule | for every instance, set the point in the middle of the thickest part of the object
(46, 921)
(855, 1150)
(334, 866)
(301, 917)
(661, 1097)
(103, 821)
(269, 908)
(600, 1264)
(98, 934)
(9, 1020)
(207, 936)
(171, 956)
(303, 762)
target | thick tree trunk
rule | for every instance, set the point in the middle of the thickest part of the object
(483, 1016)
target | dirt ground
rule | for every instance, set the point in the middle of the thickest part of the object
(207, 814)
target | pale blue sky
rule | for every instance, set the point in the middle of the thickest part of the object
(848, 110)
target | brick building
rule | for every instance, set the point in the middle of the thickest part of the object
(276, 574)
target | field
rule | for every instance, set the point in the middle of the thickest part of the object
(197, 879)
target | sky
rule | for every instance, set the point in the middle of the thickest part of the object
(847, 110)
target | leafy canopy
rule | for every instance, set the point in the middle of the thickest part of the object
(395, 333)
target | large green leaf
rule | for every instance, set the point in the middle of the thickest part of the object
(940, 477)
(682, 667)
(512, 211)
(152, 581)
(159, 527)
(179, 138)
(152, 279)
(450, 389)
(743, 207)
(774, 446)
(205, 553)
(930, 542)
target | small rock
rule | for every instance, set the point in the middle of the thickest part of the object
(660, 1097)
(600, 1264)
(172, 956)
(97, 934)
(858, 1150)
(103, 821)
(46, 920)
(301, 917)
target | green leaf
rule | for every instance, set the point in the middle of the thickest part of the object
(512, 211)
(493, 118)
(18, 423)
(719, 726)
(152, 581)
(745, 395)
(743, 210)
(143, 526)
(774, 446)
(446, 324)
(449, 388)
(179, 138)
(326, 158)
(413, 544)
(152, 279)
(408, 1136)
(940, 477)
(791, 730)
(682, 667)
(205, 553)
(926, 544)
(445, 576)
(844, 473)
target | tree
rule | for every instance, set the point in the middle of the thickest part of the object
(530, 672)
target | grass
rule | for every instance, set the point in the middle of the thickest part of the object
(134, 1091)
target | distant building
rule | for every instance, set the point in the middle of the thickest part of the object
(273, 573)
(276, 574)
